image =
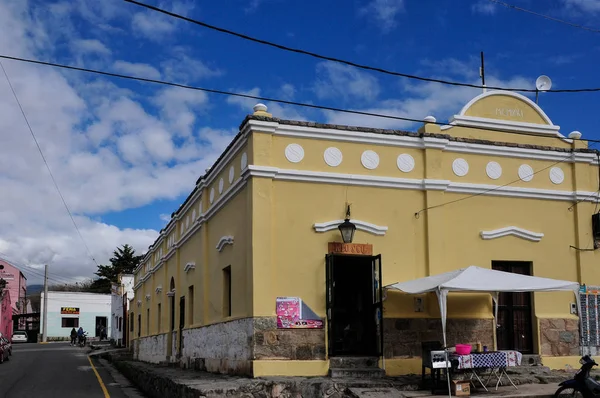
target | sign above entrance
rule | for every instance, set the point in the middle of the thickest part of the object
(69, 310)
(350, 248)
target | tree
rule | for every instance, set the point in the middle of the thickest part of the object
(123, 261)
(84, 286)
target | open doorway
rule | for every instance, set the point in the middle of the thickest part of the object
(515, 312)
(101, 323)
(354, 305)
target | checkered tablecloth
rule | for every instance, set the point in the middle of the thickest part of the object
(496, 359)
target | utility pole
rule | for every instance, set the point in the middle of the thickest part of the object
(45, 313)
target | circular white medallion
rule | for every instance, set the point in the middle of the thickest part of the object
(405, 162)
(370, 159)
(221, 185)
(493, 170)
(526, 172)
(557, 176)
(231, 174)
(244, 161)
(212, 195)
(333, 156)
(460, 167)
(294, 153)
(187, 222)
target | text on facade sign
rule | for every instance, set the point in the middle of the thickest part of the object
(69, 310)
(509, 112)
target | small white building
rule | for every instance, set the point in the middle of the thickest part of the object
(68, 310)
(121, 294)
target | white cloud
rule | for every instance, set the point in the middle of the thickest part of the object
(335, 80)
(90, 46)
(588, 6)
(183, 68)
(424, 99)
(152, 25)
(484, 7)
(109, 149)
(383, 12)
(136, 69)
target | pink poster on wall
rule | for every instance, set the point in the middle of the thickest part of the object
(289, 315)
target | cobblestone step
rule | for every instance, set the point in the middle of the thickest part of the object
(357, 373)
(353, 362)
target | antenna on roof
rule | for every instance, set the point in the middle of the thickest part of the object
(542, 83)
(482, 73)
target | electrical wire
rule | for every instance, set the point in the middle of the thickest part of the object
(260, 98)
(511, 6)
(341, 61)
(34, 271)
(417, 214)
(46, 163)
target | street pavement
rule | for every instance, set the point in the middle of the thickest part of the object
(58, 370)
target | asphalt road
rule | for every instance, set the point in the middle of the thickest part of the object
(57, 370)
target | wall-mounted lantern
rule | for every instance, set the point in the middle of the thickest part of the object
(347, 229)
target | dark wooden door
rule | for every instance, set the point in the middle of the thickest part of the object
(515, 325)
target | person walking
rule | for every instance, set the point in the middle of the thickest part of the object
(73, 336)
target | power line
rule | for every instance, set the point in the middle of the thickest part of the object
(46, 163)
(34, 271)
(511, 6)
(260, 98)
(417, 214)
(341, 61)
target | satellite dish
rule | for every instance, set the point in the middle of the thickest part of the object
(543, 83)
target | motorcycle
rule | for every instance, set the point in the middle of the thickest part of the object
(581, 385)
(82, 339)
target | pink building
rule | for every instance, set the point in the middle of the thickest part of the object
(6, 322)
(16, 284)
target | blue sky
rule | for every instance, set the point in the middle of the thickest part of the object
(126, 154)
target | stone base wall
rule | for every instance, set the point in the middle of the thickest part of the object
(220, 348)
(291, 344)
(230, 347)
(151, 349)
(402, 337)
(559, 337)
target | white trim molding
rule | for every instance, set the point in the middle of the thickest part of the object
(139, 303)
(189, 266)
(421, 184)
(148, 297)
(171, 293)
(360, 225)
(225, 240)
(515, 231)
(158, 289)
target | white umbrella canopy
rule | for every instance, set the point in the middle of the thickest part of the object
(477, 280)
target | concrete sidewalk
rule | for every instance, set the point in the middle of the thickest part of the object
(162, 381)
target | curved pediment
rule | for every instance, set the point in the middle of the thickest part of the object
(360, 225)
(514, 231)
(506, 105)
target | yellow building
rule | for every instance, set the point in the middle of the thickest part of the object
(500, 188)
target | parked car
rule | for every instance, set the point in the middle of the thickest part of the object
(19, 336)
